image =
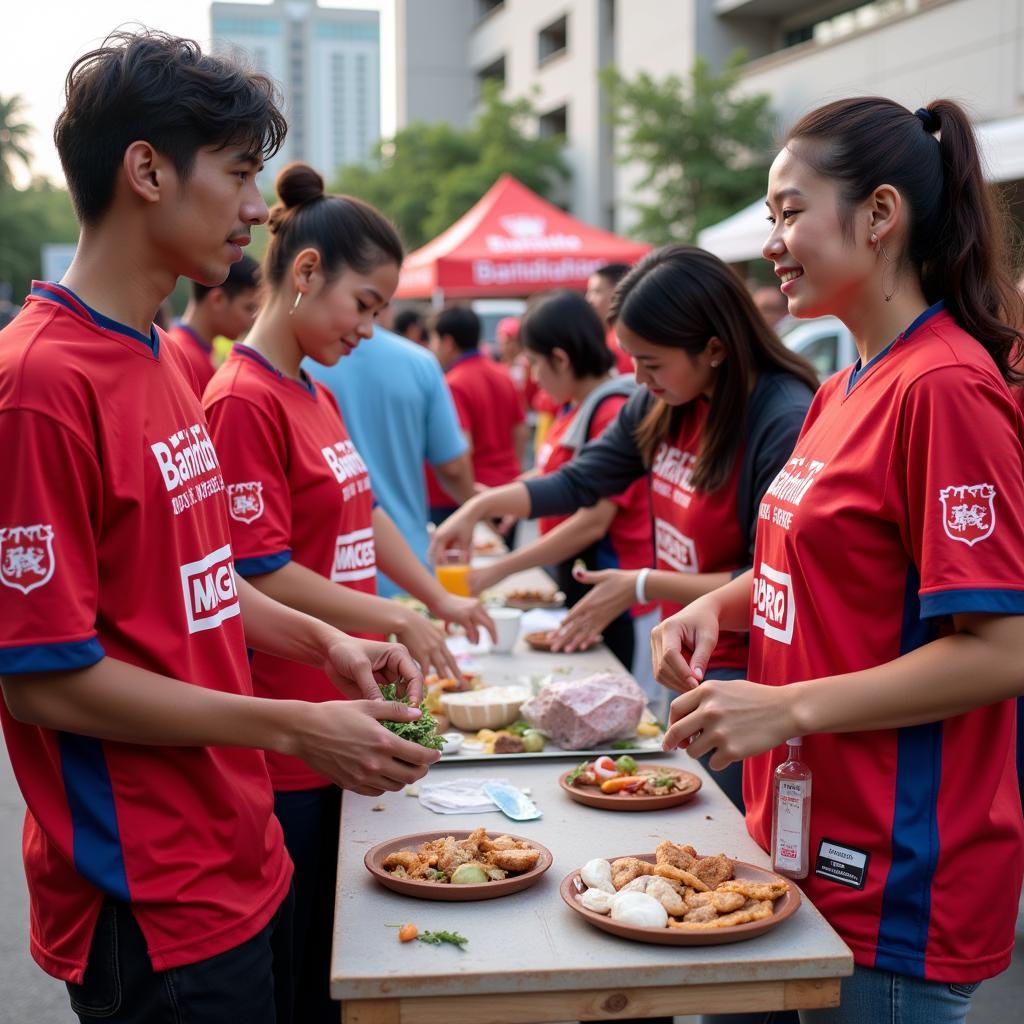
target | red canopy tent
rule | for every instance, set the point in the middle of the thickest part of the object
(512, 242)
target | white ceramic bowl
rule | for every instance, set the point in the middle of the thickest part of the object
(488, 708)
(452, 742)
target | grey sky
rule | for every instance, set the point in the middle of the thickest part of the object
(43, 37)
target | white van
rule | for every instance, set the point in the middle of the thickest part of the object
(826, 343)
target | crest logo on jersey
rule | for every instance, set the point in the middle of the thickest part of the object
(673, 548)
(968, 512)
(208, 586)
(245, 501)
(26, 556)
(773, 604)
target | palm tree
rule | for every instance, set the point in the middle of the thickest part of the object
(13, 138)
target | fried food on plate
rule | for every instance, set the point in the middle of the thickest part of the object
(625, 869)
(722, 902)
(513, 860)
(756, 890)
(675, 856)
(667, 893)
(713, 871)
(679, 875)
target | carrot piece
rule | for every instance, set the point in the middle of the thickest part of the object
(621, 782)
(407, 932)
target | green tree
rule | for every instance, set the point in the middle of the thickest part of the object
(705, 150)
(14, 135)
(429, 175)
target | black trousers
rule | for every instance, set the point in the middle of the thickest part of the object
(250, 983)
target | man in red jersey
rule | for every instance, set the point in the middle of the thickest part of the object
(486, 400)
(227, 310)
(601, 287)
(158, 879)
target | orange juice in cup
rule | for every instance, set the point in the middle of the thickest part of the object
(452, 572)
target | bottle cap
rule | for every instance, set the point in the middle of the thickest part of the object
(797, 741)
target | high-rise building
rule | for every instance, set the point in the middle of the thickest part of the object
(326, 62)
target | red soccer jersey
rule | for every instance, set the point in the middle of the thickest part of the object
(697, 532)
(489, 410)
(114, 541)
(297, 489)
(627, 545)
(196, 350)
(901, 505)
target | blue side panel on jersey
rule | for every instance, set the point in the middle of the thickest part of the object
(907, 897)
(50, 657)
(97, 839)
(263, 564)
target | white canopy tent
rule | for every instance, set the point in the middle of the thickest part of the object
(739, 238)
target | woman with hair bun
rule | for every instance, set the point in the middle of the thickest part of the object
(884, 605)
(304, 526)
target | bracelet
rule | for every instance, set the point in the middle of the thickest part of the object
(641, 586)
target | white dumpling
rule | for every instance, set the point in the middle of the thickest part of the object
(597, 874)
(597, 900)
(637, 908)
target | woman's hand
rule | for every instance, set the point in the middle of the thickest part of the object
(485, 576)
(614, 592)
(695, 629)
(466, 612)
(733, 717)
(357, 667)
(426, 645)
(457, 530)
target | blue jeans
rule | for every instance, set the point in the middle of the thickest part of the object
(881, 997)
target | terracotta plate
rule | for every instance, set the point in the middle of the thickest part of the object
(374, 861)
(592, 796)
(556, 599)
(542, 642)
(784, 907)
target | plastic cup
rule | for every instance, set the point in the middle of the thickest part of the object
(453, 572)
(506, 624)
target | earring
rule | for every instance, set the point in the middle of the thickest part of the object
(295, 304)
(874, 239)
(888, 293)
(714, 363)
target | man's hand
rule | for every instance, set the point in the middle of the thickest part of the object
(357, 667)
(345, 741)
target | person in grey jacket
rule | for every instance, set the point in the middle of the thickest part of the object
(719, 408)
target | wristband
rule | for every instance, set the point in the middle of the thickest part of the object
(641, 586)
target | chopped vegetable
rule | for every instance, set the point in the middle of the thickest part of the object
(423, 731)
(623, 744)
(436, 938)
(469, 874)
(663, 781)
(533, 741)
(648, 729)
(577, 772)
(518, 727)
(626, 764)
(622, 782)
(407, 932)
(604, 768)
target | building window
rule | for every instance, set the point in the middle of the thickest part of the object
(493, 72)
(553, 40)
(858, 17)
(554, 123)
(485, 8)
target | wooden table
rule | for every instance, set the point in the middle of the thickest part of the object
(529, 958)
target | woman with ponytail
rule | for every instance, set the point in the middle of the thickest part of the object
(304, 526)
(719, 406)
(888, 583)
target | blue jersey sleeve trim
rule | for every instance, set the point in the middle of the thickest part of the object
(951, 602)
(50, 657)
(263, 564)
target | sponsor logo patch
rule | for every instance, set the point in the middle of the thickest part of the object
(968, 512)
(674, 548)
(245, 501)
(186, 455)
(26, 556)
(208, 587)
(355, 557)
(344, 461)
(773, 603)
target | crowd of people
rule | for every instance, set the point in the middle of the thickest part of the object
(196, 561)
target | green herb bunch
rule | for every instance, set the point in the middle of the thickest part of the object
(423, 731)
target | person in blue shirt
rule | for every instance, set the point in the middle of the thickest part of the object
(399, 413)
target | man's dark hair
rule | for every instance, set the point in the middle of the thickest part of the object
(157, 88)
(243, 276)
(405, 320)
(460, 324)
(613, 273)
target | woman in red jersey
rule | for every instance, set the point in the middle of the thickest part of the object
(303, 518)
(888, 583)
(720, 405)
(568, 359)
